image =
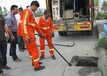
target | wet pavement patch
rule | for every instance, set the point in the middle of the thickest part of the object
(89, 61)
(82, 71)
(88, 71)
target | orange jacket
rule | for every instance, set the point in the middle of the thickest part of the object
(27, 24)
(46, 26)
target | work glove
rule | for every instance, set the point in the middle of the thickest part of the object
(52, 34)
(40, 35)
(27, 39)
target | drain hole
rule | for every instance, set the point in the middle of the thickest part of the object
(84, 61)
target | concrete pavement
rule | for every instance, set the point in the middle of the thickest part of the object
(84, 47)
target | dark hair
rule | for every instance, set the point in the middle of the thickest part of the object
(27, 6)
(13, 7)
(46, 12)
(36, 3)
(20, 9)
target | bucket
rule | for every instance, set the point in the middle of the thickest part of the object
(105, 29)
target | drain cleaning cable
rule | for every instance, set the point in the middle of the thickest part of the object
(58, 51)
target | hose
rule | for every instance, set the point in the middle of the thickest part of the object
(60, 44)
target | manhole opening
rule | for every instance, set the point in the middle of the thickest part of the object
(84, 61)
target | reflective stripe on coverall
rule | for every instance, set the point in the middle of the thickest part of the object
(46, 27)
(27, 29)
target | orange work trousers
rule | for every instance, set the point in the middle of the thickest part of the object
(42, 45)
(33, 52)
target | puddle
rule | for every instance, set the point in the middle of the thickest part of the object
(88, 71)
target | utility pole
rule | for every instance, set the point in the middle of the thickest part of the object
(100, 4)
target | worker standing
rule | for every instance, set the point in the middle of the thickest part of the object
(21, 44)
(27, 31)
(46, 25)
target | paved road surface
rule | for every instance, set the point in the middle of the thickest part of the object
(84, 45)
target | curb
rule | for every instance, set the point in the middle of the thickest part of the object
(102, 55)
(102, 62)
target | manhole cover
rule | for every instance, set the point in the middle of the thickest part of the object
(84, 61)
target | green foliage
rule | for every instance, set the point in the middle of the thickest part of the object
(102, 43)
(101, 15)
(96, 2)
(104, 6)
(37, 14)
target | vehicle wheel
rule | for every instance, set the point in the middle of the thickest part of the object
(90, 32)
(62, 33)
(65, 33)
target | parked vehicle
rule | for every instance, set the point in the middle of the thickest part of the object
(72, 15)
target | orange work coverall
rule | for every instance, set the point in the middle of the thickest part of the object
(47, 28)
(27, 27)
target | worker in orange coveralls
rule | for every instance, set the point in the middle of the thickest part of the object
(46, 25)
(26, 29)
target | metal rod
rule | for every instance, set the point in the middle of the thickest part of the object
(58, 52)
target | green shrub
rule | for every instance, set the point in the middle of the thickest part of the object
(102, 43)
(101, 16)
(37, 14)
